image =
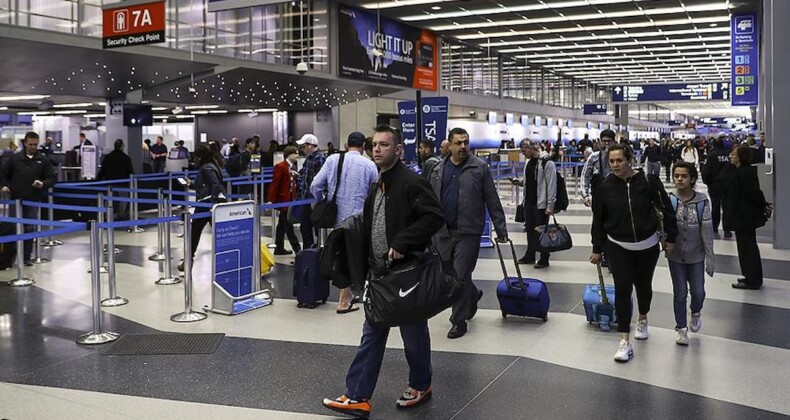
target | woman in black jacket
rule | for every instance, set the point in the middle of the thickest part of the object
(208, 189)
(627, 227)
(745, 210)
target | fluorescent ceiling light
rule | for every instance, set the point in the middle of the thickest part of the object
(400, 3)
(498, 10)
(70, 112)
(580, 28)
(161, 117)
(678, 50)
(199, 112)
(219, 111)
(241, 111)
(3, 108)
(23, 97)
(34, 113)
(265, 110)
(102, 103)
(630, 35)
(94, 115)
(190, 107)
(610, 44)
(181, 117)
(78, 105)
(159, 108)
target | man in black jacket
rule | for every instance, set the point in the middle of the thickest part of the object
(652, 155)
(715, 176)
(117, 165)
(26, 176)
(401, 215)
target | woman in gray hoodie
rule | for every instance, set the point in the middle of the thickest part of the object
(693, 253)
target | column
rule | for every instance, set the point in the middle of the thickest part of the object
(132, 136)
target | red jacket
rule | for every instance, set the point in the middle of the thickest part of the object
(283, 186)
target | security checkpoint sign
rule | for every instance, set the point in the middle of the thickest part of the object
(133, 23)
(234, 239)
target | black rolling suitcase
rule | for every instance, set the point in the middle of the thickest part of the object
(309, 286)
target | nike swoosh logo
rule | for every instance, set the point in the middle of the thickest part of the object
(401, 293)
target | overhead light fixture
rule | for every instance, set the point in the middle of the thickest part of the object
(23, 97)
(252, 114)
(94, 115)
(436, 7)
(242, 111)
(77, 105)
(218, 111)
(266, 110)
(199, 112)
(3, 108)
(159, 108)
(73, 111)
(191, 107)
(177, 110)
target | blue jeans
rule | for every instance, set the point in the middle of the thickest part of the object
(684, 275)
(364, 371)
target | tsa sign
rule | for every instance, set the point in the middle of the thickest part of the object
(134, 23)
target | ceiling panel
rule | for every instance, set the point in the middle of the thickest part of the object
(642, 40)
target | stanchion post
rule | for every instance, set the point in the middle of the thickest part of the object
(167, 275)
(114, 299)
(20, 279)
(37, 244)
(50, 242)
(188, 315)
(160, 255)
(98, 335)
(254, 190)
(100, 218)
(134, 210)
(110, 205)
(273, 245)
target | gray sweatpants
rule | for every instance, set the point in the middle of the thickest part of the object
(462, 250)
(654, 168)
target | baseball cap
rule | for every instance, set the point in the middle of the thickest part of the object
(308, 139)
(356, 139)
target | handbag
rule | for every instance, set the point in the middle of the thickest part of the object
(520, 213)
(324, 214)
(410, 292)
(554, 237)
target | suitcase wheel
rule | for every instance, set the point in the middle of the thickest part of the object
(300, 305)
(504, 315)
(323, 300)
(545, 318)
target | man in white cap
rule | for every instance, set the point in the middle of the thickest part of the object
(314, 160)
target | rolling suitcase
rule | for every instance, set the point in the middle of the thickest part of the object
(599, 307)
(519, 296)
(309, 286)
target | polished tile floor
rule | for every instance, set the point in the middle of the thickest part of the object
(279, 361)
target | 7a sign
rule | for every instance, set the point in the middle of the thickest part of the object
(133, 23)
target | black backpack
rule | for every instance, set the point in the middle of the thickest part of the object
(562, 202)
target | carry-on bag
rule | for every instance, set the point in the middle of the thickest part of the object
(554, 237)
(309, 286)
(416, 289)
(519, 296)
(599, 306)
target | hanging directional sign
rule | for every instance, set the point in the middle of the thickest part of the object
(674, 92)
(133, 23)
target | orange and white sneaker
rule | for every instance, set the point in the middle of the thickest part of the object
(344, 405)
(412, 397)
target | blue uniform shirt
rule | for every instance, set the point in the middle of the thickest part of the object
(450, 192)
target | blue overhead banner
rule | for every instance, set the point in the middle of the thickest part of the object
(408, 127)
(594, 109)
(675, 92)
(434, 119)
(745, 56)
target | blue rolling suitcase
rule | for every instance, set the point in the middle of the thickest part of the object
(309, 286)
(519, 296)
(599, 307)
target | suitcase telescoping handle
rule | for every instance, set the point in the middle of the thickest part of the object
(515, 261)
(604, 297)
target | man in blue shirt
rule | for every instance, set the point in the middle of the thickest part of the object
(465, 186)
(356, 178)
(314, 160)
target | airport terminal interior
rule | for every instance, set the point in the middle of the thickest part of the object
(101, 320)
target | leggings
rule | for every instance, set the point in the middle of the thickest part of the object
(631, 269)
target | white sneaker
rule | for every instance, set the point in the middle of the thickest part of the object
(696, 322)
(682, 338)
(641, 330)
(624, 352)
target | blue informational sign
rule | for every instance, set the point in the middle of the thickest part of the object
(234, 239)
(434, 123)
(672, 92)
(408, 127)
(745, 56)
(434, 119)
(595, 109)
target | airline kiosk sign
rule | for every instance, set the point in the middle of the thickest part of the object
(745, 56)
(133, 23)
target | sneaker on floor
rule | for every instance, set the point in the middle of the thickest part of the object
(682, 336)
(696, 322)
(641, 330)
(541, 264)
(412, 397)
(180, 267)
(624, 352)
(344, 405)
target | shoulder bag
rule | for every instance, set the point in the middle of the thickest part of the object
(554, 237)
(324, 214)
